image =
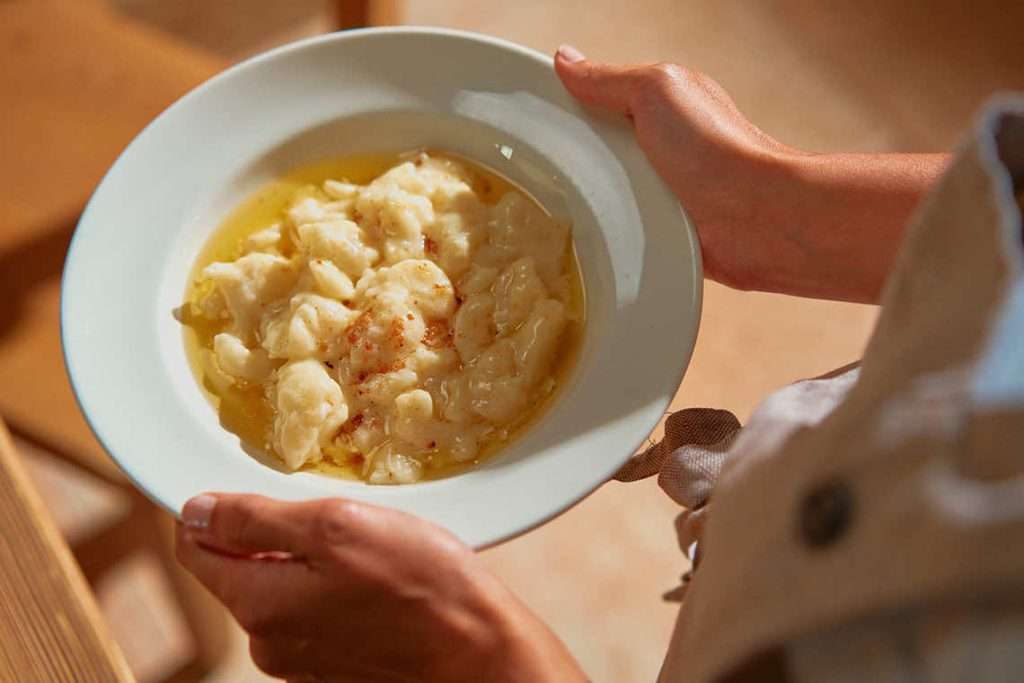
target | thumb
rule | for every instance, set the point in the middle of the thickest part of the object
(594, 83)
(246, 525)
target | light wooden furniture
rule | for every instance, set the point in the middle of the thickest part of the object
(51, 630)
(77, 83)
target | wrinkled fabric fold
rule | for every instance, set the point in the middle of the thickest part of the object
(689, 457)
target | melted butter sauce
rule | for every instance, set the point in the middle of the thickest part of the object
(244, 409)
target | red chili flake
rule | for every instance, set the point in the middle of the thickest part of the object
(357, 459)
(437, 334)
(397, 365)
(352, 425)
(432, 444)
(396, 333)
(358, 328)
(409, 316)
(429, 246)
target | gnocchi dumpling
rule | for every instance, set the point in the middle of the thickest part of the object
(339, 241)
(516, 291)
(393, 467)
(453, 238)
(266, 240)
(330, 280)
(520, 228)
(234, 358)
(307, 208)
(311, 326)
(309, 409)
(396, 219)
(503, 378)
(418, 283)
(475, 327)
(417, 427)
(248, 285)
(536, 342)
(478, 279)
(393, 327)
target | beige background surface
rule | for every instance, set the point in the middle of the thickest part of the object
(822, 76)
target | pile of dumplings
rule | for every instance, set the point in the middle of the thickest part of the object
(396, 326)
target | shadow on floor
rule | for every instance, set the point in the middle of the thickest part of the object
(29, 264)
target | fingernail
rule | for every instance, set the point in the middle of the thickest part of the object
(570, 54)
(197, 511)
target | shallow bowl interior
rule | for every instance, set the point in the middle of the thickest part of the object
(375, 91)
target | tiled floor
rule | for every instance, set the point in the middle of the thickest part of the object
(866, 75)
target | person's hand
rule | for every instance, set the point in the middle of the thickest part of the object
(769, 217)
(718, 163)
(335, 590)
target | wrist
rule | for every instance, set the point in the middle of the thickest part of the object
(793, 215)
(534, 652)
(756, 238)
(802, 234)
(506, 642)
(841, 219)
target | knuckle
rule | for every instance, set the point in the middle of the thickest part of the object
(239, 518)
(667, 79)
(241, 527)
(657, 83)
(665, 74)
(336, 521)
(445, 541)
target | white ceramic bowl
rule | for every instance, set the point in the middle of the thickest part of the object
(363, 91)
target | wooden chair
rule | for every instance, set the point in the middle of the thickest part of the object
(52, 630)
(77, 84)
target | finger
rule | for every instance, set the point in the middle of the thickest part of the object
(594, 83)
(690, 528)
(248, 524)
(263, 595)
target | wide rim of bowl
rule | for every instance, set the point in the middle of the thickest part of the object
(90, 413)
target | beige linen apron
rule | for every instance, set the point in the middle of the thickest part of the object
(870, 525)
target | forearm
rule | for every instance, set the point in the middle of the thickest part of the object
(840, 220)
(769, 218)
